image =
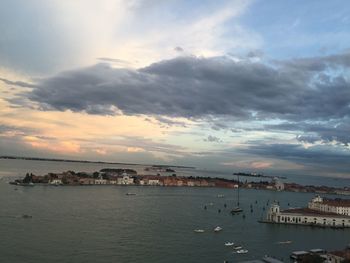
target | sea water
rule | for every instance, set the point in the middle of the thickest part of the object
(103, 224)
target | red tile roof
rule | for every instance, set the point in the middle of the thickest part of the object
(337, 202)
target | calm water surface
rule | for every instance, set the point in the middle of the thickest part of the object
(102, 224)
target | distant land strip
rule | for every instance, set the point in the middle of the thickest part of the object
(85, 161)
(259, 175)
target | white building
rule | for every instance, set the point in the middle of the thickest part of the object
(125, 180)
(306, 216)
(100, 180)
(190, 183)
(337, 206)
(278, 184)
(56, 182)
(153, 182)
(113, 181)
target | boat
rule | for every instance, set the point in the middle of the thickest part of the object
(237, 247)
(229, 244)
(217, 229)
(242, 251)
(130, 194)
(237, 209)
(285, 242)
(220, 196)
(198, 231)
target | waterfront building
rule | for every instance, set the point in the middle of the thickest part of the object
(86, 181)
(153, 182)
(337, 206)
(100, 180)
(307, 216)
(278, 184)
(112, 181)
(125, 179)
(56, 181)
(190, 183)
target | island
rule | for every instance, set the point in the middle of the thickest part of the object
(127, 176)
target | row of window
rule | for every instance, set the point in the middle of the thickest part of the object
(298, 220)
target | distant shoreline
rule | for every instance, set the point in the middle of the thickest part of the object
(86, 161)
(259, 175)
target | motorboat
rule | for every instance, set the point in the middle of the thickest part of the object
(130, 194)
(284, 242)
(236, 210)
(198, 231)
(229, 244)
(217, 229)
(242, 251)
(237, 247)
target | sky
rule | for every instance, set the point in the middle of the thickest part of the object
(253, 86)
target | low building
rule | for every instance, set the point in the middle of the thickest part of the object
(153, 182)
(87, 181)
(100, 180)
(125, 180)
(278, 184)
(190, 183)
(56, 181)
(112, 181)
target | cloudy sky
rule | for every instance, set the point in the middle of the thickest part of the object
(255, 85)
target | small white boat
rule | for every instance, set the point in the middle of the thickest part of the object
(229, 244)
(198, 231)
(236, 210)
(237, 247)
(242, 251)
(220, 196)
(217, 229)
(284, 242)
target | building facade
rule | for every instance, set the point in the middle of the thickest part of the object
(337, 206)
(306, 216)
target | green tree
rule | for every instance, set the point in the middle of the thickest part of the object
(27, 179)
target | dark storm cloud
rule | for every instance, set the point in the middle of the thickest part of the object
(212, 138)
(333, 130)
(179, 49)
(309, 89)
(21, 84)
(316, 156)
(4, 129)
